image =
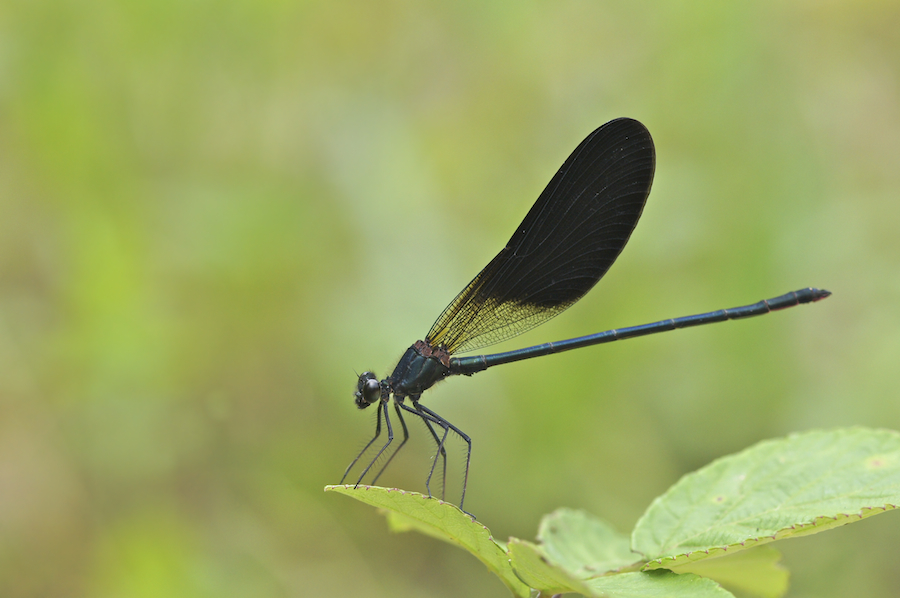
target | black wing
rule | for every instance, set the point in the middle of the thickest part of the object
(568, 240)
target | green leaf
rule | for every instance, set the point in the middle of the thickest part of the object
(799, 485)
(411, 510)
(534, 568)
(755, 572)
(657, 584)
(584, 545)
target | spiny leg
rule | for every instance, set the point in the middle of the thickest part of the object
(397, 450)
(447, 425)
(428, 419)
(390, 430)
(428, 415)
(442, 450)
(363, 452)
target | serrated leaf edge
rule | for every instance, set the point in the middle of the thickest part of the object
(819, 524)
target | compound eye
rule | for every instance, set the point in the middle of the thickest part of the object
(371, 390)
(368, 390)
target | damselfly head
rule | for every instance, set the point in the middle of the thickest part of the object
(368, 390)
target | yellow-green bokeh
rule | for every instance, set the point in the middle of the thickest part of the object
(212, 214)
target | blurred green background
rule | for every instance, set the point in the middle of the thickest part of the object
(213, 213)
